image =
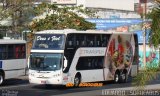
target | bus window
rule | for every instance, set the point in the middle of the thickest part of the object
(105, 39)
(20, 51)
(3, 52)
(1, 48)
(100, 63)
(10, 51)
(77, 40)
(83, 40)
(90, 40)
(70, 42)
(97, 62)
(23, 53)
(98, 40)
(81, 65)
(17, 49)
(89, 63)
(49, 41)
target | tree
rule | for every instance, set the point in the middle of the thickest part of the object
(58, 17)
(155, 26)
(50, 16)
(150, 73)
(19, 11)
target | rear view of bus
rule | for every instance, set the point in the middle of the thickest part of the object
(46, 59)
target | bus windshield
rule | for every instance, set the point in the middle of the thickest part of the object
(45, 61)
(49, 41)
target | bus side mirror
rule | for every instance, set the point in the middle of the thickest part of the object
(28, 61)
(65, 63)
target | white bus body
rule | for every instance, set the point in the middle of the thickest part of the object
(12, 58)
(82, 56)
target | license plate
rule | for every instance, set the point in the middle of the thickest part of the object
(43, 82)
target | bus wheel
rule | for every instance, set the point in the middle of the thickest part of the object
(116, 77)
(1, 78)
(123, 77)
(77, 81)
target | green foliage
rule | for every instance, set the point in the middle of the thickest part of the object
(145, 76)
(19, 11)
(58, 17)
(155, 27)
(150, 73)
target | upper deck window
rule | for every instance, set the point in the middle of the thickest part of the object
(49, 41)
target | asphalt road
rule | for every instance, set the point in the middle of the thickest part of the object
(21, 87)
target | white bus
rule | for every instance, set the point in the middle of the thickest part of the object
(69, 56)
(12, 59)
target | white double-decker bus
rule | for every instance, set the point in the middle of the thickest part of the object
(70, 56)
(12, 59)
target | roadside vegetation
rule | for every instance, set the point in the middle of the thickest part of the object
(50, 16)
(150, 73)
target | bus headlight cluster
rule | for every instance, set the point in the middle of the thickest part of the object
(56, 75)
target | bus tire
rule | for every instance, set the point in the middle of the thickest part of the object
(116, 77)
(123, 77)
(1, 78)
(77, 80)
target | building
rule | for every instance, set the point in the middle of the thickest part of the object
(105, 8)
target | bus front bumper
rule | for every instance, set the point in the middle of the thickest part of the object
(53, 81)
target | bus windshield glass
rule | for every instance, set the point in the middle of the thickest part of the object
(49, 41)
(45, 61)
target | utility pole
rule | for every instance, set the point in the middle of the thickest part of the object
(144, 33)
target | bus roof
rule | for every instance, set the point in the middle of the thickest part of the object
(11, 41)
(67, 31)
